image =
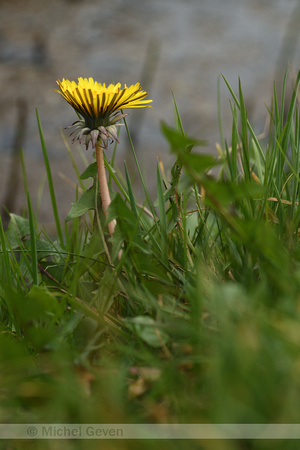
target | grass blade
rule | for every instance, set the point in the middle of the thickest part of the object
(50, 182)
(162, 217)
(33, 252)
(130, 192)
(4, 253)
(141, 175)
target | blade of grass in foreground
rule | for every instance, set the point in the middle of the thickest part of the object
(162, 216)
(33, 252)
(177, 118)
(4, 254)
(140, 174)
(130, 192)
(150, 203)
(50, 181)
(75, 167)
(253, 135)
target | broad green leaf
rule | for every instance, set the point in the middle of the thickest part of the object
(15, 350)
(182, 145)
(94, 247)
(45, 249)
(17, 229)
(127, 228)
(197, 163)
(227, 192)
(56, 270)
(90, 172)
(150, 266)
(41, 303)
(90, 254)
(107, 290)
(179, 141)
(119, 210)
(84, 204)
(148, 330)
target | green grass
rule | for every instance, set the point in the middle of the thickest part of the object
(198, 322)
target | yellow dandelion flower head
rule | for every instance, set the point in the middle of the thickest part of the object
(98, 105)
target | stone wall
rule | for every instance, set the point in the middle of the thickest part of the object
(167, 45)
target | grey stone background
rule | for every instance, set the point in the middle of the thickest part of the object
(179, 46)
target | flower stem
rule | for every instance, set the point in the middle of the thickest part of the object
(103, 186)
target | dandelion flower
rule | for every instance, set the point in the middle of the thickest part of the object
(99, 106)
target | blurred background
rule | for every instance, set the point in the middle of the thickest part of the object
(179, 46)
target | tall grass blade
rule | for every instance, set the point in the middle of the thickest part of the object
(50, 182)
(33, 252)
(244, 135)
(162, 216)
(24, 176)
(75, 167)
(113, 176)
(130, 192)
(140, 174)
(178, 121)
(5, 256)
(254, 137)
(219, 113)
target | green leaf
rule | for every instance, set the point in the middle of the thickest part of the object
(150, 266)
(91, 252)
(179, 141)
(127, 229)
(13, 349)
(17, 229)
(107, 291)
(119, 210)
(227, 192)
(182, 145)
(94, 247)
(197, 163)
(45, 249)
(148, 330)
(84, 204)
(40, 303)
(90, 172)
(56, 270)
